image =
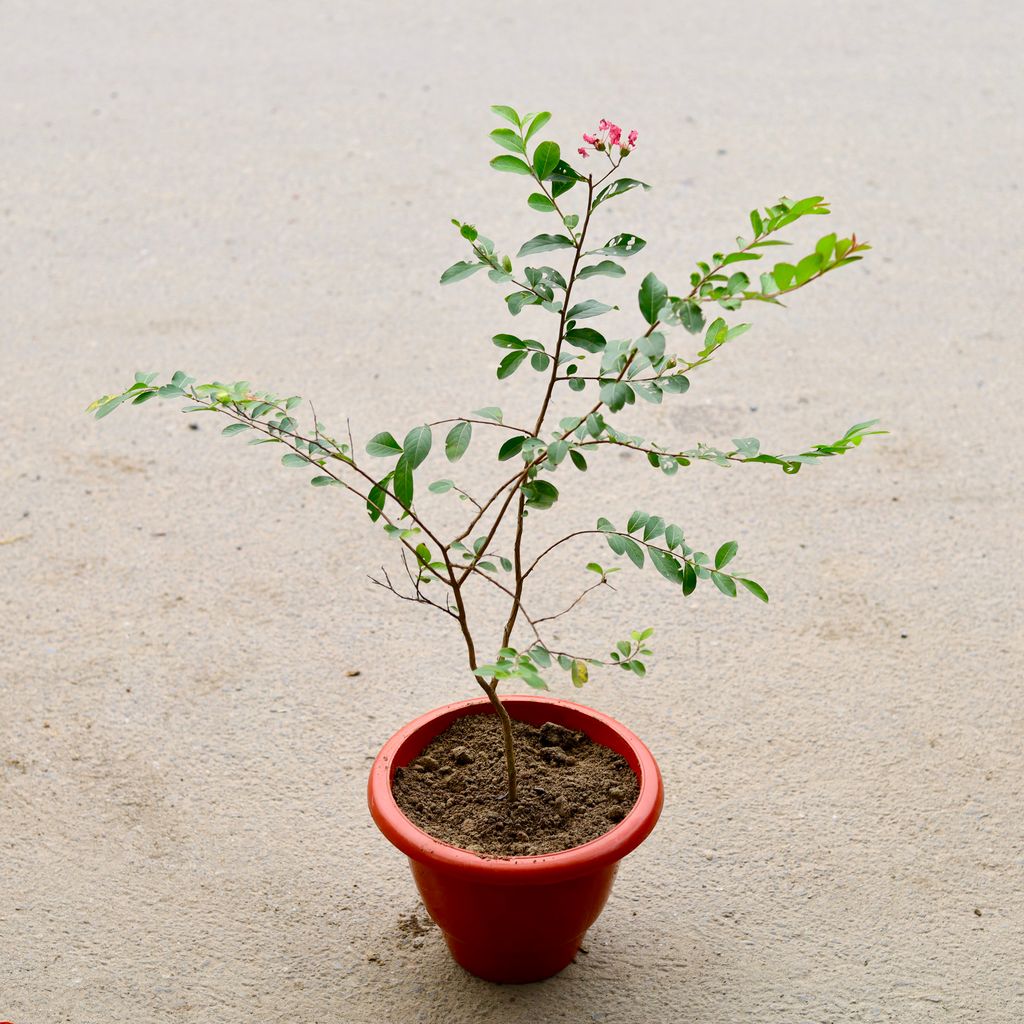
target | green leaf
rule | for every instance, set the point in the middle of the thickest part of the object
(403, 485)
(622, 245)
(540, 494)
(545, 243)
(292, 459)
(417, 446)
(508, 139)
(636, 521)
(725, 554)
(653, 528)
(674, 536)
(541, 656)
(784, 274)
(557, 451)
(756, 589)
(383, 446)
(491, 412)
(563, 178)
(634, 552)
(616, 395)
(441, 486)
(689, 579)
(740, 257)
(676, 384)
(588, 308)
(457, 271)
(545, 158)
(511, 448)
(691, 316)
(715, 336)
(323, 481)
(652, 345)
(807, 268)
(606, 268)
(724, 583)
(457, 441)
(666, 565)
(233, 428)
(586, 338)
(737, 283)
(511, 164)
(376, 498)
(538, 122)
(825, 247)
(578, 460)
(540, 202)
(652, 296)
(618, 188)
(507, 113)
(517, 300)
(511, 363)
(508, 341)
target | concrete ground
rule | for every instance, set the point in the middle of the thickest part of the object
(263, 191)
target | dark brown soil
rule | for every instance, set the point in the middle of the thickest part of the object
(571, 790)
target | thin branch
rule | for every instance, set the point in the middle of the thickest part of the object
(643, 543)
(416, 598)
(600, 583)
(279, 435)
(486, 423)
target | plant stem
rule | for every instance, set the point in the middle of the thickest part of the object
(510, 750)
(491, 689)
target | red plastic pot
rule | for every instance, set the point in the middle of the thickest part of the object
(515, 919)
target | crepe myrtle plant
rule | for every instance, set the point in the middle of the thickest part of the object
(593, 377)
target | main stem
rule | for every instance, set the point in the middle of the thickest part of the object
(491, 688)
(457, 582)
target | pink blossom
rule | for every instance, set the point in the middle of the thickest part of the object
(608, 137)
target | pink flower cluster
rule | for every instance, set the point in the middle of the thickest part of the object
(608, 137)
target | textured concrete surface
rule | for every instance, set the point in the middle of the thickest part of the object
(263, 190)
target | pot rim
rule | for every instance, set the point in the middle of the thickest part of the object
(606, 849)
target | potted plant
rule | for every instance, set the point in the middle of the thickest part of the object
(515, 810)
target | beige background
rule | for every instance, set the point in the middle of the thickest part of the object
(263, 190)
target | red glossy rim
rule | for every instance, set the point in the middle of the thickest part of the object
(409, 741)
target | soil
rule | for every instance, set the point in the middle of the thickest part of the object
(571, 789)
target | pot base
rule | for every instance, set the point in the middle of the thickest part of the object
(507, 966)
(513, 933)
